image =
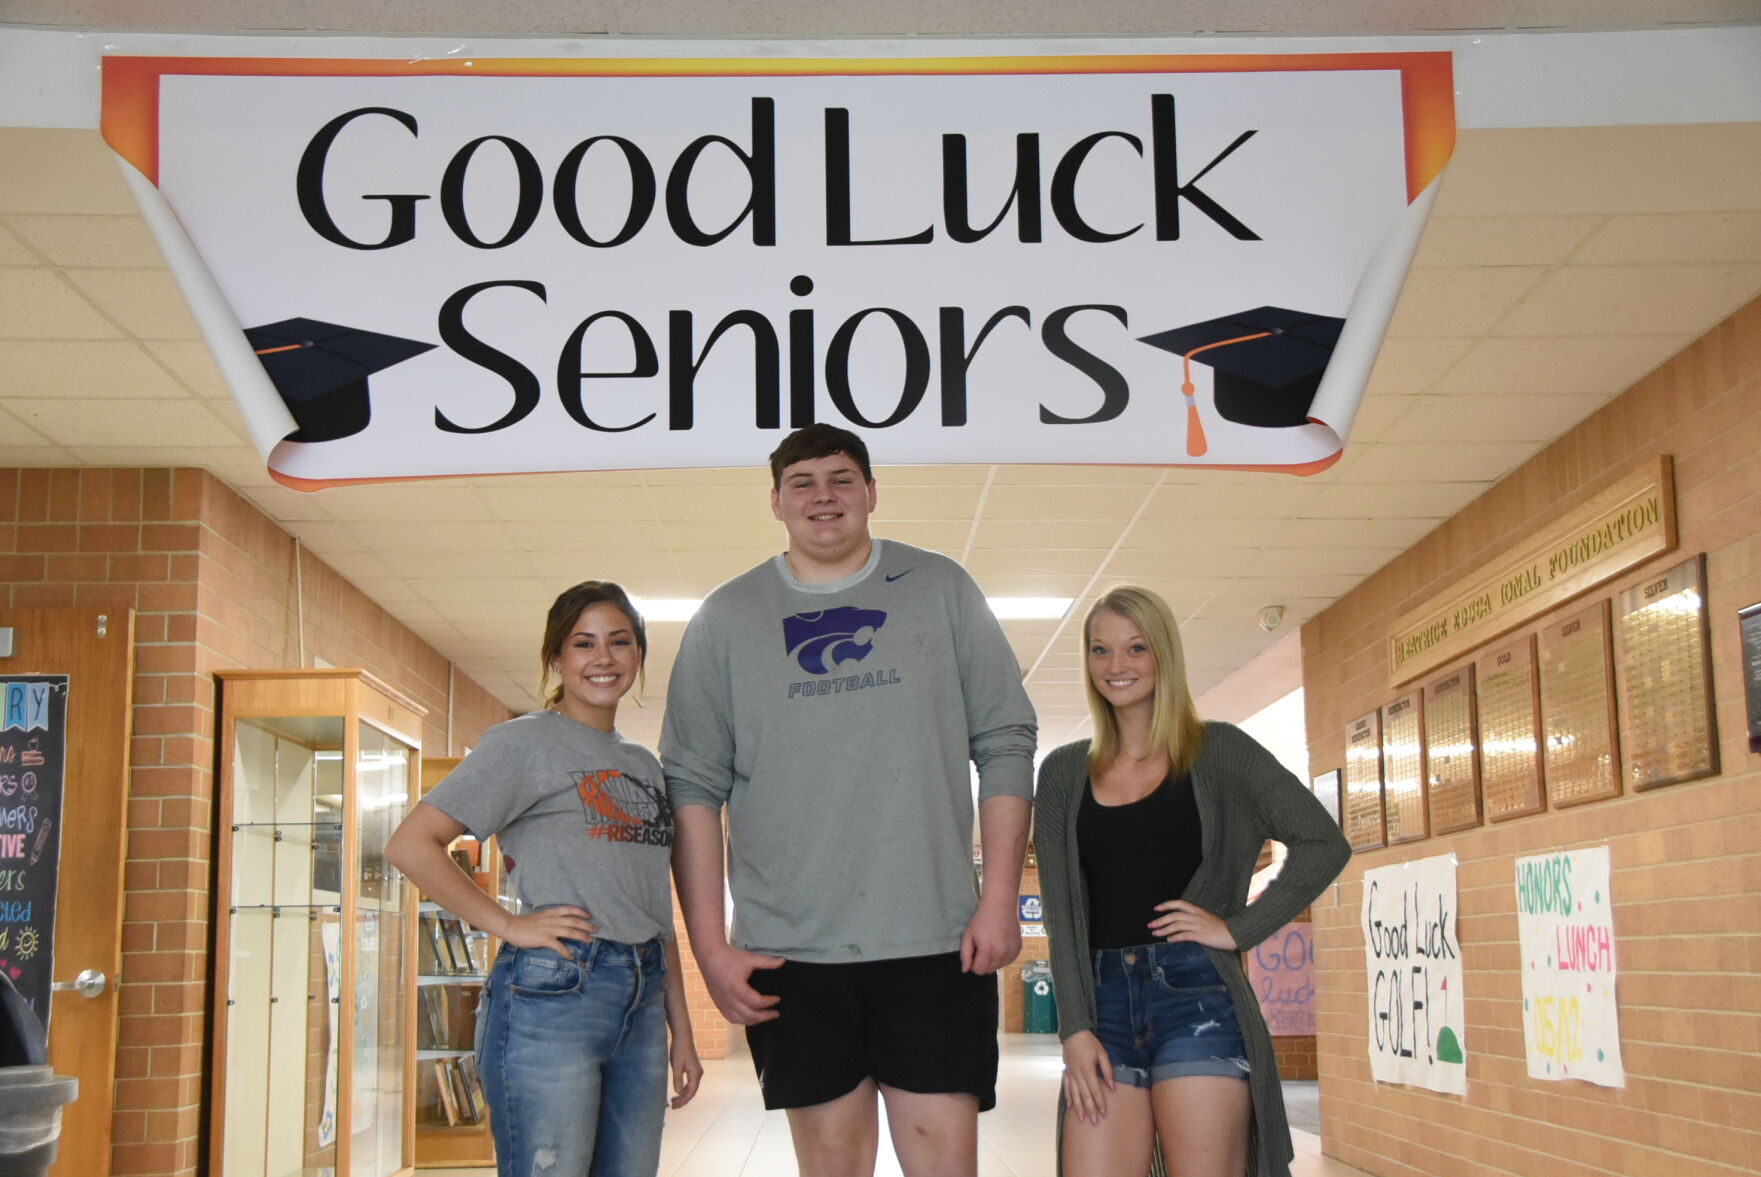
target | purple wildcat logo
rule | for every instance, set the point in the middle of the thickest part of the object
(821, 641)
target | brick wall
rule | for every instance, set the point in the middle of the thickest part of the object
(1686, 858)
(212, 580)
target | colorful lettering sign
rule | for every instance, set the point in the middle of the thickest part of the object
(1412, 957)
(1281, 970)
(33, 746)
(1565, 929)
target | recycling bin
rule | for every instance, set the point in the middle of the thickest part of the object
(31, 1095)
(1039, 1004)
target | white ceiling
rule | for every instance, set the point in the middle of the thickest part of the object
(1560, 266)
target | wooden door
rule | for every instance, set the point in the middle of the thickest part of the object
(96, 653)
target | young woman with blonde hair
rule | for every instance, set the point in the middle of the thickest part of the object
(1147, 836)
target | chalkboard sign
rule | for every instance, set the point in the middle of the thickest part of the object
(33, 745)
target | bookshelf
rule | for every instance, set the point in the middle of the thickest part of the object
(452, 963)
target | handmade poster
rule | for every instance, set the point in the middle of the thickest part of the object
(33, 761)
(1412, 959)
(1565, 929)
(471, 265)
(1281, 970)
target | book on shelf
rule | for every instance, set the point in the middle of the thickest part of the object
(449, 1102)
(474, 1087)
(458, 944)
(435, 958)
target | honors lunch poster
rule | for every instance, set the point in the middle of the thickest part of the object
(1412, 956)
(410, 268)
(1565, 929)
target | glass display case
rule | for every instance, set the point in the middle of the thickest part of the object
(311, 1075)
(452, 963)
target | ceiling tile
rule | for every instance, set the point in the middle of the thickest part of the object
(1020, 584)
(764, 18)
(16, 435)
(35, 303)
(1415, 462)
(181, 423)
(1559, 365)
(1060, 502)
(13, 251)
(90, 240)
(1492, 418)
(1268, 495)
(326, 538)
(1461, 300)
(444, 565)
(524, 497)
(428, 537)
(87, 368)
(1411, 365)
(933, 503)
(1327, 561)
(1381, 530)
(1707, 167)
(1084, 475)
(1634, 300)
(1376, 416)
(1424, 500)
(1004, 534)
(1039, 561)
(1177, 535)
(1675, 237)
(60, 171)
(938, 536)
(427, 500)
(146, 302)
(885, 476)
(1502, 241)
(191, 362)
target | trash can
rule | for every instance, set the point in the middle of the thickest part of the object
(1039, 1005)
(31, 1095)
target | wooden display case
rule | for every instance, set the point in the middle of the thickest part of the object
(312, 1069)
(453, 961)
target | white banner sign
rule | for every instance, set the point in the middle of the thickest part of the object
(1413, 961)
(414, 268)
(1565, 929)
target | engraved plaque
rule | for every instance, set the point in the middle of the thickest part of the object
(1660, 643)
(1577, 709)
(1452, 766)
(1510, 731)
(1363, 782)
(1749, 630)
(1327, 792)
(1403, 770)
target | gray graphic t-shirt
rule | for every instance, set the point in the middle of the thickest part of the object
(581, 815)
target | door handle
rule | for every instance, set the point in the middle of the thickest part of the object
(89, 984)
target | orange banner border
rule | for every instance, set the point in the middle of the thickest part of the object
(130, 119)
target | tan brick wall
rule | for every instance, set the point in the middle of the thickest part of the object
(1686, 858)
(212, 580)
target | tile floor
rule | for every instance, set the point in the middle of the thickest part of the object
(725, 1131)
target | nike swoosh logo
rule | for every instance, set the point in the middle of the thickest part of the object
(905, 573)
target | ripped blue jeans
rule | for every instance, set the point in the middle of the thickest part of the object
(573, 1058)
(1162, 1012)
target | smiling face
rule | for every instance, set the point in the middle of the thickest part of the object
(824, 503)
(597, 665)
(1120, 661)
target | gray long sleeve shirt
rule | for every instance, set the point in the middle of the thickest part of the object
(836, 722)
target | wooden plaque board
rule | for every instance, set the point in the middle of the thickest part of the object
(1665, 678)
(1452, 762)
(1362, 811)
(1508, 717)
(1326, 788)
(1577, 708)
(1403, 769)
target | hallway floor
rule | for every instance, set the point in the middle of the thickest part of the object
(725, 1131)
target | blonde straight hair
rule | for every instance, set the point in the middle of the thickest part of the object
(1176, 725)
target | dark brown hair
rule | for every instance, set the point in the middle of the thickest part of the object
(565, 611)
(817, 441)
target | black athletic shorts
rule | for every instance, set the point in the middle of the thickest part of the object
(916, 1023)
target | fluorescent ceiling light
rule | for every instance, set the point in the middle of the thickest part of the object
(665, 609)
(1006, 608)
(1029, 608)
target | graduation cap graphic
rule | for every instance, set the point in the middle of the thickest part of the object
(1266, 365)
(321, 371)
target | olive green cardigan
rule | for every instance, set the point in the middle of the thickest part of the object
(1244, 797)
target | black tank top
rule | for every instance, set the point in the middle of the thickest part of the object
(1134, 857)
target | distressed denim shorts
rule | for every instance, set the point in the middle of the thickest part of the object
(1162, 1012)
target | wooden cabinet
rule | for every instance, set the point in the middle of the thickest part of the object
(312, 1068)
(452, 959)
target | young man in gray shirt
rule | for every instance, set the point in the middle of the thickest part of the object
(832, 699)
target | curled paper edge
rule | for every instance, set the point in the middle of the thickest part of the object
(1347, 378)
(265, 414)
